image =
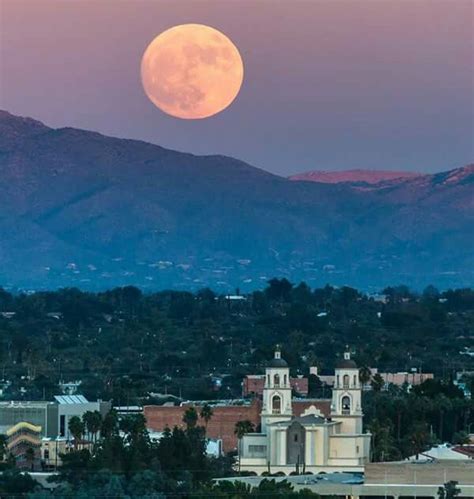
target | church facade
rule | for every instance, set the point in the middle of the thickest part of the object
(309, 442)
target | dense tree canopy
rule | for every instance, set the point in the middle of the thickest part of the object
(130, 347)
(123, 344)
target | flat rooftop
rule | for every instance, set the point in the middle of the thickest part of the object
(393, 479)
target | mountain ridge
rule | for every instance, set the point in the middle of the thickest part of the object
(84, 209)
(353, 176)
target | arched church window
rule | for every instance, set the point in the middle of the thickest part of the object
(355, 380)
(337, 381)
(345, 381)
(276, 380)
(268, 379)
(346, 405)
(276, 405)
(285, 380)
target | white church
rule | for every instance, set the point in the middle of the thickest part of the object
(310, 442)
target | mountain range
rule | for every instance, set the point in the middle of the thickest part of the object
(357, 178)
(82, 209)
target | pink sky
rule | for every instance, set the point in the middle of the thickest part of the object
(328, 84)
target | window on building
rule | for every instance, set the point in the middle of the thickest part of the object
(345, 381)
(276, 405)
(276, 380)
(62, 425)
(337, 381)
(46, 454)
(357, 450)
(296, 438)
(346, 405)
(355, 380)
(257, 449)
(285, 380)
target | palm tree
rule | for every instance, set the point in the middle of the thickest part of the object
(206, 413)
(400, 410)
(92, 421)
(419, 437)
(134, 429)
(382, 441)
(76, 428)
(190, 417)
(30, 457)
(377, 382)
(364, 375)
(242, 428)
(86, 419)
(444, 405)
(109, 425)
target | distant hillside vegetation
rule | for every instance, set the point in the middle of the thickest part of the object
(82, 209)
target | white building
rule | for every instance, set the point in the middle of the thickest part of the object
(442, 452)
(309, 442)
(52, 417)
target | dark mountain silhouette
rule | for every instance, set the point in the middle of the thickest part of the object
(82, 209)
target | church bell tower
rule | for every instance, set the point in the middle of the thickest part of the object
(277, 392)
(346, 404)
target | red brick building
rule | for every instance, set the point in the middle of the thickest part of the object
(253, 385)
(222, 423)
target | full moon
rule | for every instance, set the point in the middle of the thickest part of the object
(192, 71)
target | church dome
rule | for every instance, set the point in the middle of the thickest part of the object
(346, 364)
(277, 361)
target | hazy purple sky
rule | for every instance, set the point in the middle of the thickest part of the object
(332, 84)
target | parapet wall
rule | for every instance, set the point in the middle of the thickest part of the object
(426, 473)
(221, 425)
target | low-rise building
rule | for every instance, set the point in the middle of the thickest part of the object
(392, 480)
(51, 451)
(221, 426)
(128, 410)
(24, 445)
(445, 452)
(38, 413)
(53, 417)
(400, 378)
